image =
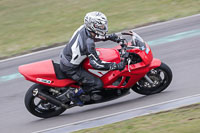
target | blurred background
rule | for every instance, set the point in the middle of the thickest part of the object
(28, 25)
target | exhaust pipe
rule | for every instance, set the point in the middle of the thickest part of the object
(48, 98)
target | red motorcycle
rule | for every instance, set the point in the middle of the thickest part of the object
(143, 74)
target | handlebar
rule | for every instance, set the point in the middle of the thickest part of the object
(123, 51)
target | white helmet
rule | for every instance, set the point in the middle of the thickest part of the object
(96, 22)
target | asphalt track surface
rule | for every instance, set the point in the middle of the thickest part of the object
(183, 56)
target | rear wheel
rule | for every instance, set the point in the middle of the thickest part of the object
(39, 107)
(161, 77)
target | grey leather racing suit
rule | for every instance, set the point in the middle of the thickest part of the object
(81, 46)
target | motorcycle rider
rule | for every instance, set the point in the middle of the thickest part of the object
(81, 46)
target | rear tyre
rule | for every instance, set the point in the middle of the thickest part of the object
(39, 107)
(161, 77)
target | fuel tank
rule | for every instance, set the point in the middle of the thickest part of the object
(105, 54)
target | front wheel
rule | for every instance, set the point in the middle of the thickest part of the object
(161, 77)
(39, 107)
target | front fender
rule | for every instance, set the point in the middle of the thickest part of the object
(154, 63)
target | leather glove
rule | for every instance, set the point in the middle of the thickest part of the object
(120, 66)
(113, 37)
(113, 66)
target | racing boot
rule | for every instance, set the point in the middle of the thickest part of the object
(73, 94)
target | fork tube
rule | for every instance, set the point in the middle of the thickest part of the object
(148, 79)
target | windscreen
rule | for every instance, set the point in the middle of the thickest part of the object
(138, 41)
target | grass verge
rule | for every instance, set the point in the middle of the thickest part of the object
(28, 25)
(181, 120)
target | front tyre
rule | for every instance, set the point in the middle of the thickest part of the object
(39, 107)
(161, 77)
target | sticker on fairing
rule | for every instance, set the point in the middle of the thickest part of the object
(99, 73)
(43, 80)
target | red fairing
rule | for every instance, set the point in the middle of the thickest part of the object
(137, 71)
(105, 54)
(43, 73)
(154, 64)
(146, 56)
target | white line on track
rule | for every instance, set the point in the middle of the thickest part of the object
(148, 26)
(96, 118)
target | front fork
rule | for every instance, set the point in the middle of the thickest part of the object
(148, 79)
(146, 76)
(154, 64)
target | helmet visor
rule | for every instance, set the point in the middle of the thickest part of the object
(101, 28)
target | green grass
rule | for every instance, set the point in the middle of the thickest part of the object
(29, 24)
(182, 120)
